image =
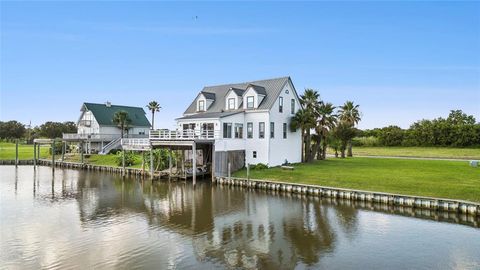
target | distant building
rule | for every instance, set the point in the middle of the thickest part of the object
(97, 131)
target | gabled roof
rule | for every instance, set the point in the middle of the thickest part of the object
(271, 88)
(104, 114)
(208, 95)
(238, 91)
(259, 89)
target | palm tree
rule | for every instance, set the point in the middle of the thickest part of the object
(122, 120)
(326, 120)
(310, 102)
(350, 115)
(153, 106)
(305, 120)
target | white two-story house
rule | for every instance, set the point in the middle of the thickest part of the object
(251, 117)
(97, 132)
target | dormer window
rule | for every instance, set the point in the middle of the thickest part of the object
(231, 104)
(250, 102)
(201, 105)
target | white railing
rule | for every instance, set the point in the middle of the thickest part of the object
(99, 137)
(187, 134)
(136, 144)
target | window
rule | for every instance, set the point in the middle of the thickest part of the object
(238, 131)
(272, 130)
(261, 130)
(201, 105)
(250, 102)
(249, 130)
(280, 104)
(227, 130)
(284, 130)
(292, 106)
(231, 103)
(254, 154)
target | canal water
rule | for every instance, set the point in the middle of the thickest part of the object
(79, 219)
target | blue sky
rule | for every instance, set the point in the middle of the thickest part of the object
(401, 61)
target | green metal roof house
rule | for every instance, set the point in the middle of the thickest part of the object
(97, 130)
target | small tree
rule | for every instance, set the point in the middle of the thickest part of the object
(344, 133)
(122, 120)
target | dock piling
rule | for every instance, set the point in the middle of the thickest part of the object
(16, 153)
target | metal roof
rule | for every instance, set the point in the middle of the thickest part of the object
(208, 95)
(238, 92)
(210, 115)
(271, 88)
(104, 114)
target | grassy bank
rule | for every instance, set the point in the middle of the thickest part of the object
(435, 178)
(427, 152)
(25, 151)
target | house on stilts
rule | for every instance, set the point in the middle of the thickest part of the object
(228, 126)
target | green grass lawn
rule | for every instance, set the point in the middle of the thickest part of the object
(25, 151)
(434, 178)
(105, 160)
(429, 152)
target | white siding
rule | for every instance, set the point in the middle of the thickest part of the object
(225, 144)
(255, 143)
(233, 95)
(284, 149)
(94, 127)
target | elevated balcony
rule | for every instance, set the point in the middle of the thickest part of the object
(189, 134)
(98, 137)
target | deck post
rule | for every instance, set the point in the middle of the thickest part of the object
(53, 155)
(81, 152)
(229, 171)
(16, 153)
(34, 155)
(248, 171)
(151, 163)
(194, 163)
(123, 162)
(169, 163)
(64, 146)
(143, 164)
(213, 162)
(183, 163)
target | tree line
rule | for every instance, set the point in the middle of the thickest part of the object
(457, 130)
(11, 130)
(323, 125)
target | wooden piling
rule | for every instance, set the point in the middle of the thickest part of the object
(123, 162)
(16, 153)
(213, 162)
(151, 163)
(34, 155)
(194, 163)
(53, 155)
(64, 146)
(169, 164)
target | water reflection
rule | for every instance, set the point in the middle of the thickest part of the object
(110, 222)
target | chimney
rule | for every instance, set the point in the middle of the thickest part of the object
(108, 104)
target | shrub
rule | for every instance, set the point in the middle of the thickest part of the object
(129, 158)
(259, 166)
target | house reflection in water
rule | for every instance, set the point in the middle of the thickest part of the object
(234, 227)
